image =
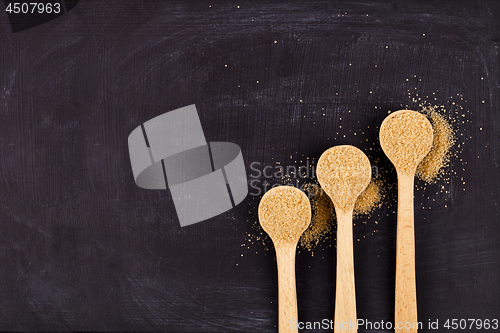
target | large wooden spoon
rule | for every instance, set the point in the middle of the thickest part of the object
(406, 138)
(285, 213)
(344, 172)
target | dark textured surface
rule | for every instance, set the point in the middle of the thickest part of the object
(85, 249)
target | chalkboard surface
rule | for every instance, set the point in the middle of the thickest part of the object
(85, 249)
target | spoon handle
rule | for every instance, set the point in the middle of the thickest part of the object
(287, 294)
(345, 295)
(406, 289)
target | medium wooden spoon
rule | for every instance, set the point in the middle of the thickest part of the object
(344, 172)
(406, 138)
(285, 213)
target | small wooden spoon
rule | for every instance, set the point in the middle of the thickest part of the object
(344, 172)
(406, 138)
(285, 213)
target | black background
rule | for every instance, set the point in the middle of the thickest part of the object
(83, 248)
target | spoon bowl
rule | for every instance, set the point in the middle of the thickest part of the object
(406, 138)
(284, 214)
(343, 172)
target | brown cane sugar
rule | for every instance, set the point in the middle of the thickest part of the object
(344, 172)
(284, 213)
(434, 164)
(322, 219)
(404, 137)
(370, 199)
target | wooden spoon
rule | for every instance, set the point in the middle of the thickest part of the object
(406, 138)
(344, 172)
(285, 213)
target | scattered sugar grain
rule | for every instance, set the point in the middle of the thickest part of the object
(323, 215)
(371, 198)
(433, 165)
